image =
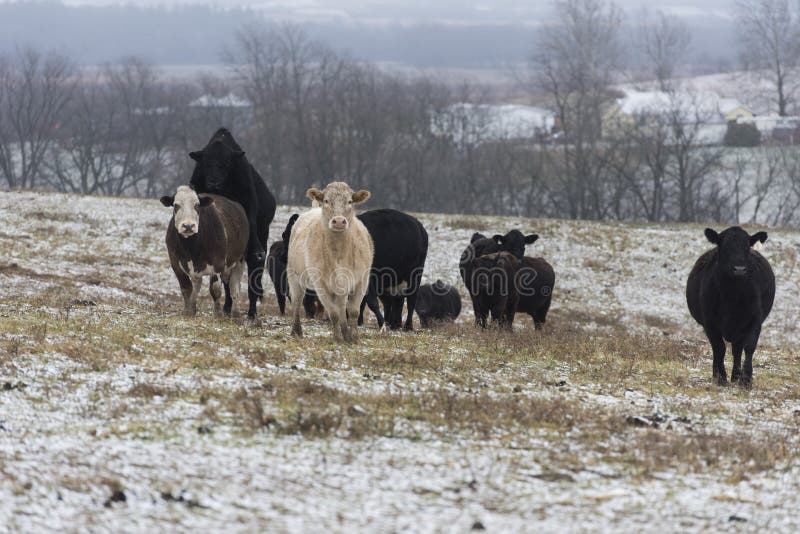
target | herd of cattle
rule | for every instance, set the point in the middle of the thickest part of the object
(331, 260)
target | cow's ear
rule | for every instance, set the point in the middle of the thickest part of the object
(476, 236)
(531, 238)
(238, 154)
(206, 202)
(362, 195)
(315, 194)
(167, 200)
(712, 236)
(499, 239)
(197, 155)
(758, 236)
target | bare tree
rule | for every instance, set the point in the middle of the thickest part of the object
(770, 42)
(664, 41)
(575, 62)
(34, 89)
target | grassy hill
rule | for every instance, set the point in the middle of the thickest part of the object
(118, 413)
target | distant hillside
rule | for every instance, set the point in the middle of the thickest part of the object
(197, 35)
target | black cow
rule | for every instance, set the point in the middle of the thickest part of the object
(513, 242)
(401, 246)
(494, 278)
(222, 168)
(535, 280)
(438, 302)
(276, 267)
(730, 292)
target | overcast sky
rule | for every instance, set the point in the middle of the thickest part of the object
(416, 11)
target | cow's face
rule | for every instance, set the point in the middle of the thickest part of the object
(185, 204)
(734, 249)
(216, 162)
(515, 241)
(337, 201)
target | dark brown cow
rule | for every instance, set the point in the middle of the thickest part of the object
(207, 236)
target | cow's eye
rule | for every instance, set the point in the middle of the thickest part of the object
(176, 206)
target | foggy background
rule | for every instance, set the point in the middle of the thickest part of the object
(446, 34)
(583, 109)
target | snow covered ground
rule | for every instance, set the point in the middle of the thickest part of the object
(116, 413)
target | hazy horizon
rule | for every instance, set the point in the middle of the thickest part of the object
(193, 32)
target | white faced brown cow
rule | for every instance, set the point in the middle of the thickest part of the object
(207, 236)
(331, 252)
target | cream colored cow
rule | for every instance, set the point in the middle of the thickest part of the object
(331, 252)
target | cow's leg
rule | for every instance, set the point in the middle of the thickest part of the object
(255, 271)
(508, 318)
(192, 304)
(186, 291)
(281, 301)
(256, 250)
(278, 281)
(226, 309)
(718, 348)
(295, 295)
(480, 316)
(736, 348)
(393, 309)
(353, 305)
(496, 312)
(215, 288)
(335, 306)
(540, 316)
(233, 289)
(411, 297)
(749, 349)
(371, 300)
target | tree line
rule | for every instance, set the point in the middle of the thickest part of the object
(315, 115)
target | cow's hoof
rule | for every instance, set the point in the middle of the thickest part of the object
(297, 330)
(721, 381)
(746, 382)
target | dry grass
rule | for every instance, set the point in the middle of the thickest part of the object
(468, 223)
(453, 382)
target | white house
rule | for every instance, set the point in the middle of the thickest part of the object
(468, 122)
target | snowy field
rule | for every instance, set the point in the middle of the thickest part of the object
(119, 414)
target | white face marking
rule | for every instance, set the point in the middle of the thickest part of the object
(187, 220)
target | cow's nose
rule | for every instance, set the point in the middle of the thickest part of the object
(339, 223)
(188, 227)
(740, 270)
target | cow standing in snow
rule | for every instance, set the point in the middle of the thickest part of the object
(331, 252)
(207, 236)
(730, 292)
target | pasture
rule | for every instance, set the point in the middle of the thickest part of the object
(118, 413)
